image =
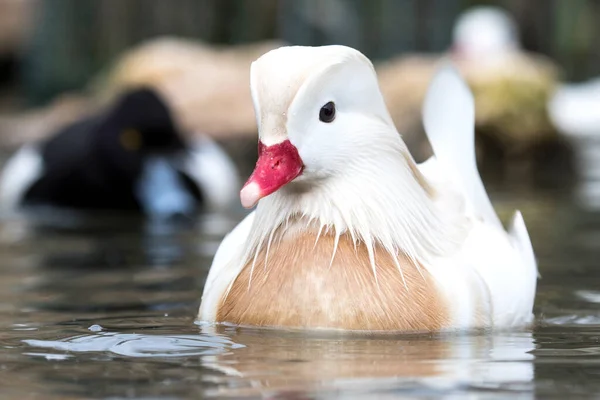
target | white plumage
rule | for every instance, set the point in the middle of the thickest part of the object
(359, 184)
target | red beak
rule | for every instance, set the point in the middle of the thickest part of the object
(277, 165)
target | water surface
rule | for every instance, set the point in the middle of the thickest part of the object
(105, 309)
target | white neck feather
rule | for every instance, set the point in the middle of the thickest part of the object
(377, 199)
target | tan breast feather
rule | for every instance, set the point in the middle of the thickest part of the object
(299, 286)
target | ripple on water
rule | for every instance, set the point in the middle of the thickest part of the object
(142, 288)
(573, 319)
(590, 296)
(140, 345)
(259, 361)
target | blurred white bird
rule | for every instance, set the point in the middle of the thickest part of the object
(575, 110)
(511, 87)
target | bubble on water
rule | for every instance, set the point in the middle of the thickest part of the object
(50, 357)
(96, 328)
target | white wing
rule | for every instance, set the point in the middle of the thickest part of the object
(225, 268)
(505, 262)
(19, 172)
(212, 168)
(449, 120)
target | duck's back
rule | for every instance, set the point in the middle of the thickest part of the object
(490, 274)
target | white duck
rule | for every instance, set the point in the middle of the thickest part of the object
(574, 110)
(349, 232)
(510, 85)
(485, 33)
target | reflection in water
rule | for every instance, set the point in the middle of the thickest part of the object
(587, 192)
(269, 361)
(140, 345)
(449, 364)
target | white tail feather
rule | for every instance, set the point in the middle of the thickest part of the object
(520, 238)
(449, 120)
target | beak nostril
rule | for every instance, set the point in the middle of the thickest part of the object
(277, 165)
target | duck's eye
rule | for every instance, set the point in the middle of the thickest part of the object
(327, 113)
(131, 139)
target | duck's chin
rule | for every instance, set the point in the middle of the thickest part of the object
(305, 184)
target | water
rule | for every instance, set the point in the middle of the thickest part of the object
(106, 309)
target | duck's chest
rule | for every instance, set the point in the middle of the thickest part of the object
(301, 283)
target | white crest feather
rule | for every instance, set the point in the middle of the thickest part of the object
(449, 120)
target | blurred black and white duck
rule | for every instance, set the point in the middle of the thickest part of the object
(131, 157)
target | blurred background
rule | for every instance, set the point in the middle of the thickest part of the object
(62, 58)
(51, 46)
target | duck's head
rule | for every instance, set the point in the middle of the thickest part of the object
(137, 126)
(484, 31)
(318, 110)
(329, 154)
